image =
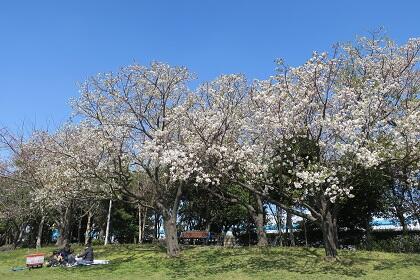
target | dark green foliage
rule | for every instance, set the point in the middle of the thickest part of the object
(124, 222)
(200, 210)
(369, 189)
(398, 244)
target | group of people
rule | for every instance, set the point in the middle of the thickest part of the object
(66, 257)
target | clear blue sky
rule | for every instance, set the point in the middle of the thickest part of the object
(46, 47)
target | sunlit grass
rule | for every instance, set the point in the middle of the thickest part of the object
(150, 262)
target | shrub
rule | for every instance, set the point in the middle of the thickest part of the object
(398, 244)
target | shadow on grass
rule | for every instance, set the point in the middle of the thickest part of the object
(210, 261)
(123, 249)
(397, 264)
(255, 261)
(124, 258)
(115, 264)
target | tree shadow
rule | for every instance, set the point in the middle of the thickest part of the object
(123, 249)
(123, 255)
(391, 265)
(116, 263)
(196, 262)
(219, 261)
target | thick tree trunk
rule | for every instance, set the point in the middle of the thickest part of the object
(171, 238)
(289, 225)
(169, 223)
(88, 228)
(259, 222)
(39, 235)
(328, 226)
(64, 228)
(62, 239)
(262, 237)
(108, 221)
(19, 234)
(329, 236)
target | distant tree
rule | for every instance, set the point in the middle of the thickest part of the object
(370, 187)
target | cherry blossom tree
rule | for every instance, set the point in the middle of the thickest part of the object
(141, 100)
(299, 135)
(293, 140)
(59, 170)
(18, 184)
(353, 108)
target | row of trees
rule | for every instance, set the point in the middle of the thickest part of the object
(300, 140)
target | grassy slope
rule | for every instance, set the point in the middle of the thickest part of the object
(149, 262)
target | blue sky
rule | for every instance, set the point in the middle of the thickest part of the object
(47, 47)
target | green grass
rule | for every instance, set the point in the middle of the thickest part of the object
(150, 262)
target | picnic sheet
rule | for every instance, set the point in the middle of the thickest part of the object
(101, 262)
(95, 262)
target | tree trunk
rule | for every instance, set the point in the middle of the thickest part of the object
(156, 225)
(39, 235)
(171, 238)
(79, 231)
(305, 233)
(140, 237)
(108, 221)
(143, 225)
(368, 233)
(289, 225)
(64, 228)
(19, 235)
(402, 221)
(88, 229)
(279, 225)
(329, 233)
(259, 223)
(169, 223)
(399, 208)
(262, 237)
(328, 236)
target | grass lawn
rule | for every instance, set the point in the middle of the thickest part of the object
(150, 262)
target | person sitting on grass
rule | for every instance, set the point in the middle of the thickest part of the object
(64, 256)
(67, 255)
(54, 260)
(87, 255)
